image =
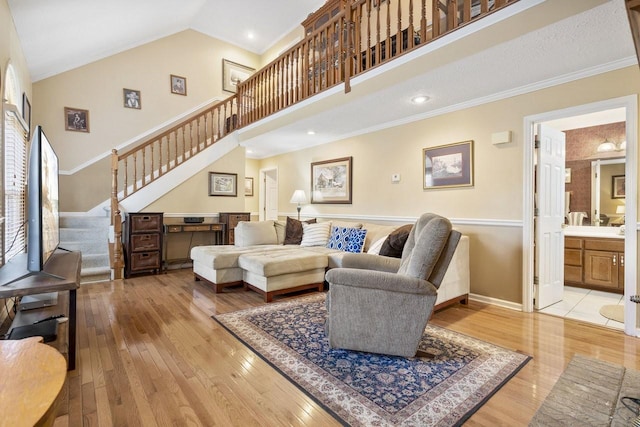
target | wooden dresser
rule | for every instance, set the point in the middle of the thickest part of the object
(230, 220)
(142, 243)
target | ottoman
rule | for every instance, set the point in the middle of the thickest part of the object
(278, 272)
(218, 265)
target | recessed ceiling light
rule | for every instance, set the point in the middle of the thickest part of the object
(250, 35)
(249, 151)
(311, 132)
(420, 99)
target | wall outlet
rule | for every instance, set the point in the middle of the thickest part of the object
(395, 177)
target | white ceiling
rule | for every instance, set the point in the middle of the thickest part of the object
(63, 34)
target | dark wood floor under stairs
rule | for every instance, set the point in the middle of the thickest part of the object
(149, 354)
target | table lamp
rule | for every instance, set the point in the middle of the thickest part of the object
(298, 197)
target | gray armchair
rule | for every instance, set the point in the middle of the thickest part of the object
(381, 305)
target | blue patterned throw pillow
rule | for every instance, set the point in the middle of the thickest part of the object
(338, 238)
(355, 241)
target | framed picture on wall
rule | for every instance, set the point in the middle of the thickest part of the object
(618, 187)
(331, 181)
(76, 119)
(448, 165)
(223, 184)
(233, 74)
(26, 111)
(248, 186)
(132, 98)
(178, 85)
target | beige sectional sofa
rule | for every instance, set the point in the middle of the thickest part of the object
(260, 261)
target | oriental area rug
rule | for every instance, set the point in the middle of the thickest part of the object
(364, 389)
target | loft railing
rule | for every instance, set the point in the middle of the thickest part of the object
(366, 34)
(361, 36)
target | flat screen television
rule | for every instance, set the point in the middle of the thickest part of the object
(43, 234)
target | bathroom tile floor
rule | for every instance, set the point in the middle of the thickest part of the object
(584, 304)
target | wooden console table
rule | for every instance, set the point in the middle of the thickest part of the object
(216, 228)
(32, 377)
(64, 265)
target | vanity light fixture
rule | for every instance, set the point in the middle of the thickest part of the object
(606, 146)
(419, 99)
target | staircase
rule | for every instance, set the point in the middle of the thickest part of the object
(88, 235)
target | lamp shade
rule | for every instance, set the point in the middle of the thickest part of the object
(298, 197)
(620, 209)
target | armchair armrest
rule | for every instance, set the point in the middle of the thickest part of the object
(368, 279)
(371, 262)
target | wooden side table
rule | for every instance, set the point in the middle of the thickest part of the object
(33, 374)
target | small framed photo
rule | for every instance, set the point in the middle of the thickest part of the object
(76, 120)
(26, 111)
(223, 184)
(178, 85)
(233, 74)
(248, 186)
(132, 98)
(331, 181)
(618, 187)
(567, 175)
(448, 165)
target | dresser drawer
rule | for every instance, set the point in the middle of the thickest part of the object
(145, 261)
(145, 242)
(141, 223)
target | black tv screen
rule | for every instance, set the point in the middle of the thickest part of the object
(43, 235)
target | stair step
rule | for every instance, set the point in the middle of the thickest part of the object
(83, 234)
(86, 247)
(95, 260)
(84, 221)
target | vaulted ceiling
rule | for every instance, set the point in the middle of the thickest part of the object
(63, 34)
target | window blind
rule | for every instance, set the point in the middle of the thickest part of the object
(14, 183)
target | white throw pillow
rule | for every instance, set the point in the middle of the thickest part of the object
(376, 246)
(255, 233)
(315, 234)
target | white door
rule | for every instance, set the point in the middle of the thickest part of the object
(271, 194)
(549, 221)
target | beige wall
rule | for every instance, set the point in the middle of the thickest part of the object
(11, 52)
(286, 42)
(98, 86)
(497, 194)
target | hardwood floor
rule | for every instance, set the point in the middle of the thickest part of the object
(149, 354)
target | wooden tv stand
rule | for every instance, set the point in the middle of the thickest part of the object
(64, 265)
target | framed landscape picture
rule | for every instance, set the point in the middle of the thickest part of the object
(248, 186)
(234, 74)
(331, 181)
(448, 165)
(223, 184)
(76, 120)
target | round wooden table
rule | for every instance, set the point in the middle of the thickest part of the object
(32, 374)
